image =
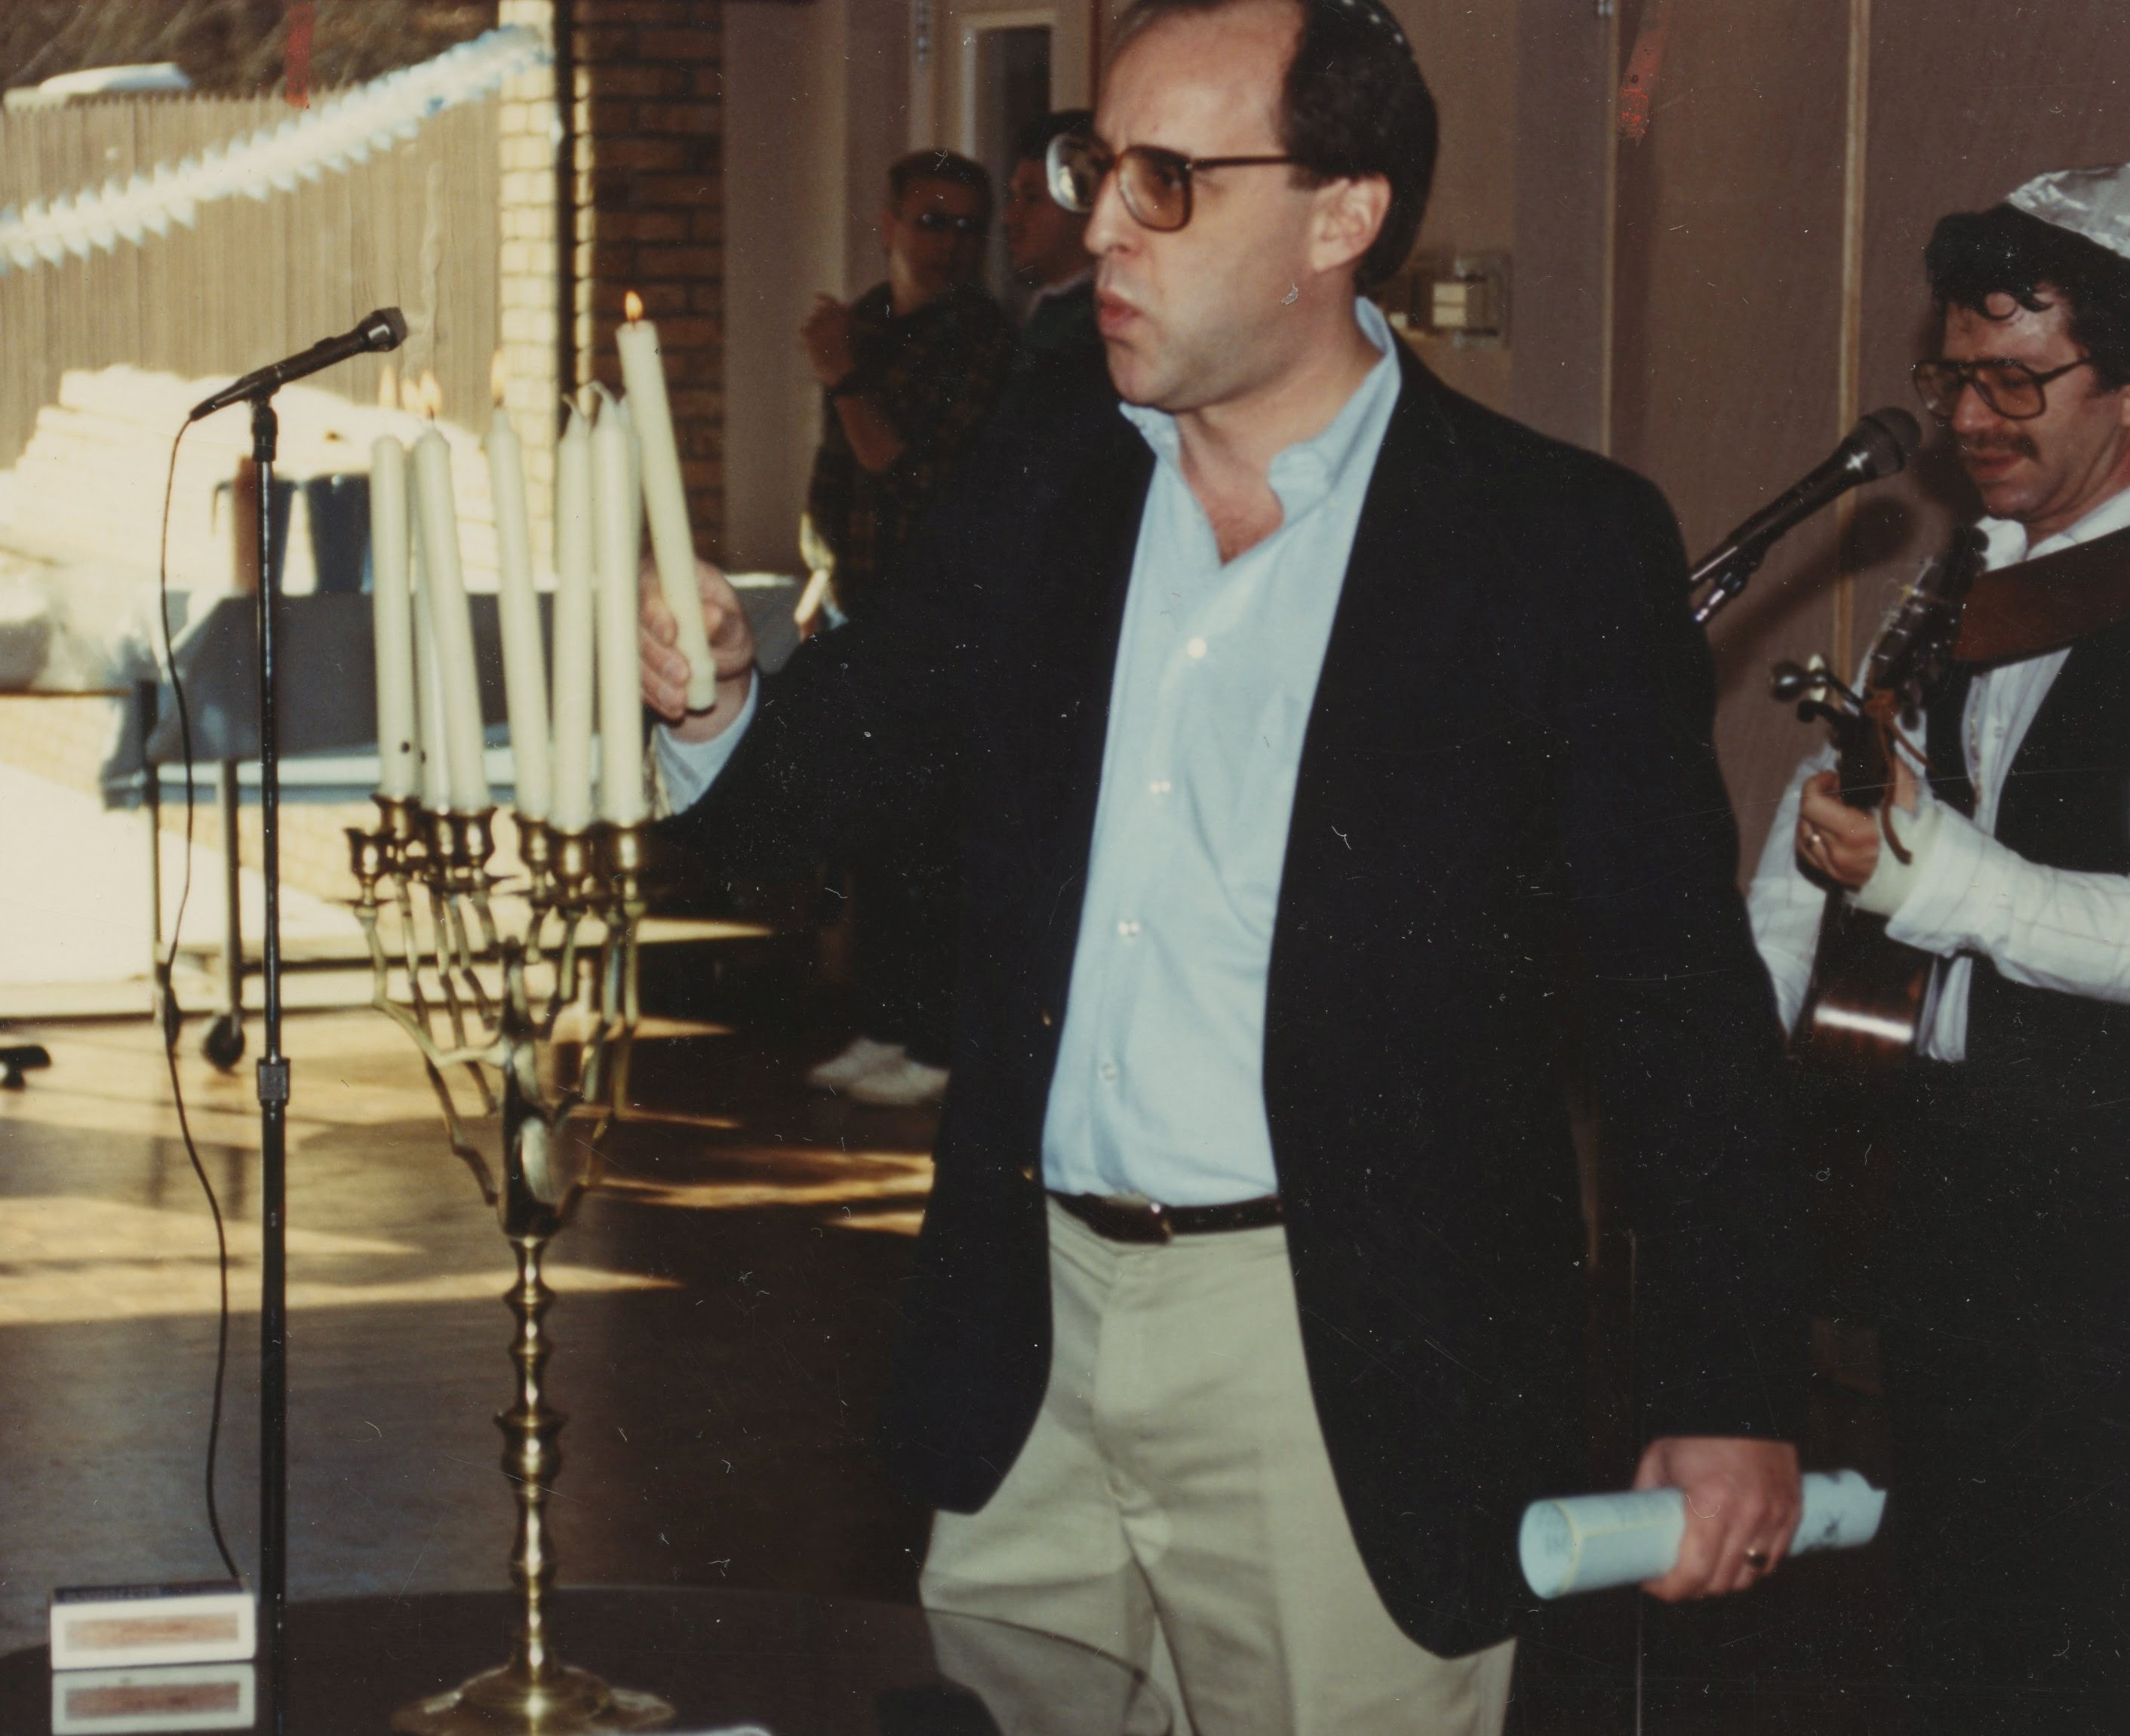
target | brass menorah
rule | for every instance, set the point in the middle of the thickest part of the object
(545, 1056)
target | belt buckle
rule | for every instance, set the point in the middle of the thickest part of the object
(1141, 1222)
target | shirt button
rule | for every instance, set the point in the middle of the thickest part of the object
(1109, 1069)
(1160, 787)
(1196, 648)
(1129, 930)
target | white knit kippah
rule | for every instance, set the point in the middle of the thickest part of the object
(2093, 202)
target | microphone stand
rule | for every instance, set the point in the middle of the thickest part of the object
(1729, 574)
(273, 1118)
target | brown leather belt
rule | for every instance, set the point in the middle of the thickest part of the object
(1147, 1221)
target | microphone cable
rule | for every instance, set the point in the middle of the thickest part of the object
(169, 1015)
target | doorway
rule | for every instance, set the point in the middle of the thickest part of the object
(1006, 61)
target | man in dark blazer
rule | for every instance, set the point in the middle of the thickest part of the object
(1246, 1311)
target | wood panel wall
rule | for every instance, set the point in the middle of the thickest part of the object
(1767, 281)
(1728, 312)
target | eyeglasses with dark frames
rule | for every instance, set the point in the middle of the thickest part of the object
(1155, 183)
(2011, 389)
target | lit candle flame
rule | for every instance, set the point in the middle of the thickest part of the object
(387, 386)
(632, 304)
(498, 379)
(410, 395)
(432, 396)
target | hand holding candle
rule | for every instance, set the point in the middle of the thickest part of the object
(665, 497)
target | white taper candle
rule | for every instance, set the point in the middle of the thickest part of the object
(436, 506)
(518, 604)
(666, 499)
(392, 621)
(617, 520)
(572, 809)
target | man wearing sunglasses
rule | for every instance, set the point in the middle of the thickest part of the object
(2007, 1323)
(1246, 1313)
(909, 373)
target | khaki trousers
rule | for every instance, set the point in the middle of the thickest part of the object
(1174, 1507)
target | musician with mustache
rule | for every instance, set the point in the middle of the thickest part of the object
(2006, 1337)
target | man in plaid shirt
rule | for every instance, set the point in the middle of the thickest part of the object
(911, 370)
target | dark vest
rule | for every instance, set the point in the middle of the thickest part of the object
(2067, 804)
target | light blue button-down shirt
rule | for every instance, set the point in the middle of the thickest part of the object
(1159, 1086)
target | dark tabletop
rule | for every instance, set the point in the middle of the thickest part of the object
(769, 1664)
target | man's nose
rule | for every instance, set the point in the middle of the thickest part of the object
(1970, 413)
(1110, 226)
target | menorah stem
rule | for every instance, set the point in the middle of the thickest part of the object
(440, 926)
(462, 956)
(565, 993)
(531, 1459)
(409, 945)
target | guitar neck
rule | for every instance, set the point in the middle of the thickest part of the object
(1863, 770)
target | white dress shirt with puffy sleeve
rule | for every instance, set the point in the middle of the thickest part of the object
(1159, 1089)
(1964, 895)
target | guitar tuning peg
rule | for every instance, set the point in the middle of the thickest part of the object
(1787, 680)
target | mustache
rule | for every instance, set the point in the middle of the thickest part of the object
(2016, 446)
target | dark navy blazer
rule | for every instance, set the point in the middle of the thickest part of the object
(1510, 839)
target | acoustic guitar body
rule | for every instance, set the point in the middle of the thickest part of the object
(1870, 1000)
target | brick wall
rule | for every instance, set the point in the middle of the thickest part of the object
(651, 213)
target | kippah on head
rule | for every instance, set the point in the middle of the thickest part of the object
(2093, 202)
(1370, 13)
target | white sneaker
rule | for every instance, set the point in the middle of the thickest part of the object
(840, 1072)
(901, 1084)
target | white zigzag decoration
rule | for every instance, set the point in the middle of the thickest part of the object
(339, 133)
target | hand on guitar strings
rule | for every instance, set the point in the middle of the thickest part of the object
(1840, 844)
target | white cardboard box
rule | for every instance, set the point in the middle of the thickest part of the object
(130, 1627)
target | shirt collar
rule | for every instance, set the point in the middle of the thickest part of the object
(1303, 474)
(2008, 538)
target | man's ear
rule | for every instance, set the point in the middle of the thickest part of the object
(1349, 216)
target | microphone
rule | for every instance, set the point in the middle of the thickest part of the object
(386, 329)
(1878, 446)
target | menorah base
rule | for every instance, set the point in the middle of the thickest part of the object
(503, 1702)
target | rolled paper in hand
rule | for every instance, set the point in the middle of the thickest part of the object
(1589, 1543)
(666, 499)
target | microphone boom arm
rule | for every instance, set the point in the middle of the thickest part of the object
(1878, 446)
